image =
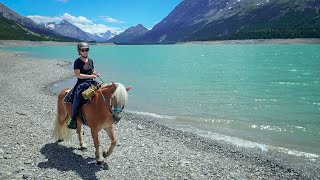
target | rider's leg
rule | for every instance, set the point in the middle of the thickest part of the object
(73, 122)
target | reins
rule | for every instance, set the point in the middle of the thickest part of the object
(109, 106)
(105, 101)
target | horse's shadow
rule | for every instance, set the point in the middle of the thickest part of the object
(64, 159)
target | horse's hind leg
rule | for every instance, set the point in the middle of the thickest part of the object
(80, 136)
(112, 137)
(94, 133)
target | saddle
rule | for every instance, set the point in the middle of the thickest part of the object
(68, 99)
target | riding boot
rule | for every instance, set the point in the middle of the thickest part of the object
(72, 124)
(73, 120)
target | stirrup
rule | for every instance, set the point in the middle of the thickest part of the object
(72, 124)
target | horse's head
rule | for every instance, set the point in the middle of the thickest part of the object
(118, 98)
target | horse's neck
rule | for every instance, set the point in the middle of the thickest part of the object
(105, 86)
(104, 94)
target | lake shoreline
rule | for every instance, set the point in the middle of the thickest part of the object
(17, 43)
(146, 149)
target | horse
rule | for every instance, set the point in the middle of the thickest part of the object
(98, 114)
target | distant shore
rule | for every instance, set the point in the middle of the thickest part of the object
(259, 41)
(145, 149)
(16, 43)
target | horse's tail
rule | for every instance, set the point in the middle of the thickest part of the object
(61, 130)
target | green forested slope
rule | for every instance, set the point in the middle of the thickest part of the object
(292, 25)
(11, 30)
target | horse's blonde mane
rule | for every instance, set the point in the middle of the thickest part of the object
(121, 95)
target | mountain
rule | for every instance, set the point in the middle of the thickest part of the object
(12, 30)
(65, 28)
(130, 34)
(102, 37)
(237, 19)
(10, 17)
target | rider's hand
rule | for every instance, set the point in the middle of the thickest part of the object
(93, 76)
(95, 73)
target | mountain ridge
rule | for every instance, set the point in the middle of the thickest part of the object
(130, 34)
(65, 28)
(29, 26)
(201, 20)
(223, 19)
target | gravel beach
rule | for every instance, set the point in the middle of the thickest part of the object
(145, 150)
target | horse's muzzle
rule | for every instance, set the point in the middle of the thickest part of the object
(116, 117)
(116, 114)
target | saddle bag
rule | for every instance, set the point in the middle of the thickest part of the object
(88, 93)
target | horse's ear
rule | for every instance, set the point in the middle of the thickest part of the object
(128, 88)
(112, 83)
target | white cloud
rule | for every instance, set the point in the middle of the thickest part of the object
(111, 20)
(97, 28)
(44, 19)
(73, 19)
(80, 21)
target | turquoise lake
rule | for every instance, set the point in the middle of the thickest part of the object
(266, 96)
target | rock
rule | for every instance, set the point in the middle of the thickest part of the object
(8, 174)
(139, 127)
(7, 156)
(26, 176)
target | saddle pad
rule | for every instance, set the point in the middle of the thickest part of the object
(67, 98)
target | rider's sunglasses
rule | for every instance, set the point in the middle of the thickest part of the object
(84, 50)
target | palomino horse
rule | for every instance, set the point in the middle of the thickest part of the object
(98, 114)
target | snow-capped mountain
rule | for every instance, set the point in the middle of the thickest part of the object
(101, 37)
(67, 29)
(29, 25)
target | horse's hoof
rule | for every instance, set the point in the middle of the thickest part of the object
(105, 154)
(100, 162)
(83, 148)
(60, 140)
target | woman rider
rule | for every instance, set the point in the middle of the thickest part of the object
(83, 70)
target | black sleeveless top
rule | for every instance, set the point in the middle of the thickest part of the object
(85, 68)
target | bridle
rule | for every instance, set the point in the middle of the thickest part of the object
(115, 111)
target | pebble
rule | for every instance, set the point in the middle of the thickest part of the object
(139, 127)
(26, 176)
(7, 157)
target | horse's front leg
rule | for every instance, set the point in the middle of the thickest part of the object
(80, 136)
(112, 136)
(94, 133)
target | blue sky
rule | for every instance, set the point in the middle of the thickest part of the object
(96, 16)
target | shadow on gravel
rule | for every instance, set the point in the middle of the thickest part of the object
(64, 159)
